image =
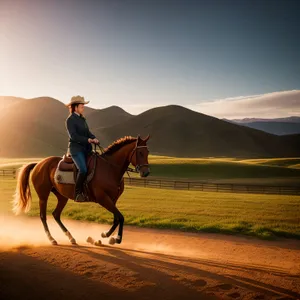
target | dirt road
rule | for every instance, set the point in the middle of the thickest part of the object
(150, 264)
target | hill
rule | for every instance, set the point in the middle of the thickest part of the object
(100, 118)
(181, 132)
(6, 101)
(36, 127)
(278, 126)
(292, 119)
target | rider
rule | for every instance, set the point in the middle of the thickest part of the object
(80, 140)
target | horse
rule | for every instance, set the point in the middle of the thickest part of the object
(105, 187)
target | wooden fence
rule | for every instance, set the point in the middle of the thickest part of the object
(213, 187)
(198, 186)
(8, 173)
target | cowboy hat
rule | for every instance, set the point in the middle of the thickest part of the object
(77, 100)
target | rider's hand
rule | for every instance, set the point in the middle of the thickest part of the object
(95, 141)
(90, 141)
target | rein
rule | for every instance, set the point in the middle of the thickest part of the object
(137, 168)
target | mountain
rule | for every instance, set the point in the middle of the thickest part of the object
(33, 127)
(107, 117)
(278, 126)
(36, 127)
(6, 101)
(182, 132)
(292, 119)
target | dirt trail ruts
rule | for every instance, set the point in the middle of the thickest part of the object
(150, 264)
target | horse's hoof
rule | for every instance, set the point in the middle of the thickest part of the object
(103, 235)
(112, 241)
(54, 242)
(118, 240)
(90, 240)
(73, 242)
(98, 243)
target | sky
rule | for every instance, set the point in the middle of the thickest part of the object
(138, 54)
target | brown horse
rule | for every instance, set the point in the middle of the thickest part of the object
(105, 188)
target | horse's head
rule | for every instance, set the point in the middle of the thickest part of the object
(139, 158)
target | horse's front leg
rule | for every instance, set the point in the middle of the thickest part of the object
(120, 232)
(118, 220)
(112, 229)
(110, 205)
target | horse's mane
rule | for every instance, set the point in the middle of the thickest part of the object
(116, 145)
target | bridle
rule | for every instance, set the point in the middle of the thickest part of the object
(137, 167)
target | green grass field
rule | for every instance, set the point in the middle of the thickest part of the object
(226, 168)
(210, 169)
(263, 216)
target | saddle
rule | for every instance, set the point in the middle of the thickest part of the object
(66, 171)
(67, 164)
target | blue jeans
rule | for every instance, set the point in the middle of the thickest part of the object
(80, 161)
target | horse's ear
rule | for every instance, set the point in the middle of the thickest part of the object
(147, 138)
(139, 138)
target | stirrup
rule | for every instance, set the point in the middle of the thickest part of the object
(81, 198)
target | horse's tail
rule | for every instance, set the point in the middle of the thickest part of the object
(22, 197)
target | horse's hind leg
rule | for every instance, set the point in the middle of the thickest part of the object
(43, 188)
(43, 216)
(62, 201)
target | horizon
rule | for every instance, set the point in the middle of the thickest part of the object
(201, 55)
(222, 108)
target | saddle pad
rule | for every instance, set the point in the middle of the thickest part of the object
(66, 177)
(62, 177)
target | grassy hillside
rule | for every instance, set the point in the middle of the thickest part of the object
(6, 101)
(106, 117)
(33, 127)
(36, 127)
(278, 162)
(212, 169)
(180, 132)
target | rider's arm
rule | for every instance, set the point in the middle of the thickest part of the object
(71, 127)
(91, 136)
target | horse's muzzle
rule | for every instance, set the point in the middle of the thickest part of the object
(144, 173)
